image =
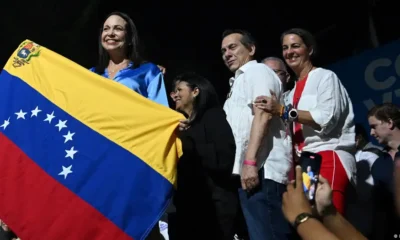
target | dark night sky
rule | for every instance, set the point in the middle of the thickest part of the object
(186, 35)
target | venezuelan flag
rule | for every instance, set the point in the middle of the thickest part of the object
(81, 156)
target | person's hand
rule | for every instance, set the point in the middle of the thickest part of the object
(268, 104)
(183, 125)
(294, 201)
(249, 177)
(162, 69)
(323, 196)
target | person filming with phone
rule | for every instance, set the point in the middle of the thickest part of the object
(318, 221)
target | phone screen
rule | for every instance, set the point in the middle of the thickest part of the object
(310, 166)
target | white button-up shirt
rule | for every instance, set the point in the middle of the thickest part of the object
(252, 80)
(327, 100)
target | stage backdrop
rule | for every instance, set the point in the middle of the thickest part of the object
(371, 78)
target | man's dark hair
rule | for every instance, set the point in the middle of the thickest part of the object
(247, 39)
(386, 112)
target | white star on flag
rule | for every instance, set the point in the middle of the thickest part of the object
(71, 153)
(61, 125)
(68, 137)
(5, 124)
(66, 171)
(50, 117)
(35, 111)
(20, 114)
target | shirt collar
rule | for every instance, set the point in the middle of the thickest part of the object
(241, 70)
(122, 70)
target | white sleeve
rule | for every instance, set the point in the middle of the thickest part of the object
(330, 103)
(260, 81)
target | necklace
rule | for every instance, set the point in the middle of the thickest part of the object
(116, 67)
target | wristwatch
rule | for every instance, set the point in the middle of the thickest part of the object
(293, 115)
(302, 217)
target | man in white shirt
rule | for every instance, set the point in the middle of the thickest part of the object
(279, 67)
(263, 149)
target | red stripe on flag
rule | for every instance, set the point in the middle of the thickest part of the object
(36, 206)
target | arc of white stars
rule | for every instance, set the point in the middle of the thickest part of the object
(20, 114)
(68, 137)
(49, 117)
(70, 153)
(61, 125)
(35, 112)
(66, 171)
(5, 124)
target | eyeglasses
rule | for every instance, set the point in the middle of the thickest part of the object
(281, 72)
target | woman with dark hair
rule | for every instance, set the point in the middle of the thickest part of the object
(120, 59)
(321, 112)
(206, 199)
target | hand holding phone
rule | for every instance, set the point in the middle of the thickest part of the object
(310, 164)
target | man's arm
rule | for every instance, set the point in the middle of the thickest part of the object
(260, 81)
(258, 130)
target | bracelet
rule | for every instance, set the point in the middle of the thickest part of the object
(285, 112)
(282, 111)
(250, 162)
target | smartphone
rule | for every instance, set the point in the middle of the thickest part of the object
(310, 164)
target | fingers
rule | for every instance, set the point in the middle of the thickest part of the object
(322, 180)
(183, 124)
(260, 106)
(244, 187)
(261, 99)
(299, 178)
(252, 183)
(290, 186)
(249, 184)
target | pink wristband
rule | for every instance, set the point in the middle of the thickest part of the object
(250, 162)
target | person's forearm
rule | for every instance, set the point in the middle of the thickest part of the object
(338, 225)
(258, 130)
(312, 229)
(304, 117)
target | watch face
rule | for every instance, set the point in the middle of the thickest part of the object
(302, 217)
(293, 114)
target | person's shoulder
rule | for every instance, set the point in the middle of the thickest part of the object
(261, 72)
(259, 67)
(383, 161)
(214, 113)
(323, 72)
(149, 66)
(323, 75)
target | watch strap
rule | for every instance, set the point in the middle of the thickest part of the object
(301, 218)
